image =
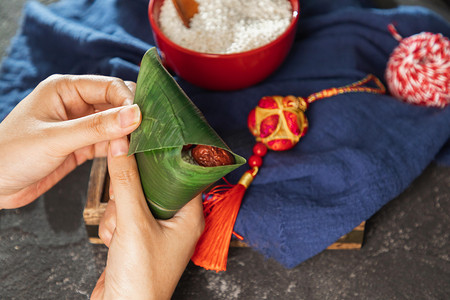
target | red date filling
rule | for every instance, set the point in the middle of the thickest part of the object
(210, 156)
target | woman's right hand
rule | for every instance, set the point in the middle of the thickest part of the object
(146, 256)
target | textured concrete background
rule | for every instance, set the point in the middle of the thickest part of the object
(45, 253)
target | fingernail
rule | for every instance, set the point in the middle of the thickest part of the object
(119, 147)
(111, 193)
(128, 102)
(129, 115)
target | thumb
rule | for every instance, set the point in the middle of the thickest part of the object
(128, 194)
(105, 125)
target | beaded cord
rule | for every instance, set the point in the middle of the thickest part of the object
(353, 87)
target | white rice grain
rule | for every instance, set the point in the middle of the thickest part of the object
(227, 26)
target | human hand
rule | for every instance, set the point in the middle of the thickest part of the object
(65, 121)
(146, 257)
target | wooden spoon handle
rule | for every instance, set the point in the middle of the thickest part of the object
(186, 10)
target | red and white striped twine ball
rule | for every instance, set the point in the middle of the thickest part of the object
(418, 70)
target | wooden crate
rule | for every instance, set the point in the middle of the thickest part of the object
(98, 196)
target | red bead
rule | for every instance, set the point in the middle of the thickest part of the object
(259, 149)
(255, 161)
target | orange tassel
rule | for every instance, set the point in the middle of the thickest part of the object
(221, 207)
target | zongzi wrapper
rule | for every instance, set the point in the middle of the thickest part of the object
(170, 123)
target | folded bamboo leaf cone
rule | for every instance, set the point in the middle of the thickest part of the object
(171, 121)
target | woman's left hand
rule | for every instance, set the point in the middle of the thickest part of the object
(62, 123)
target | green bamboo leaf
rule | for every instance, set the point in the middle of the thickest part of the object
(170, 120)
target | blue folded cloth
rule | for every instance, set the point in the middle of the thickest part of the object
(361, 150)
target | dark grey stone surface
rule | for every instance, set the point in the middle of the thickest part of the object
(440, 6)
(406, 255)
(45, 252)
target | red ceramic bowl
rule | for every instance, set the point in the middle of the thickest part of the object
(223, 71)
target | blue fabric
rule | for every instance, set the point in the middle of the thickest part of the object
(361, 150)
